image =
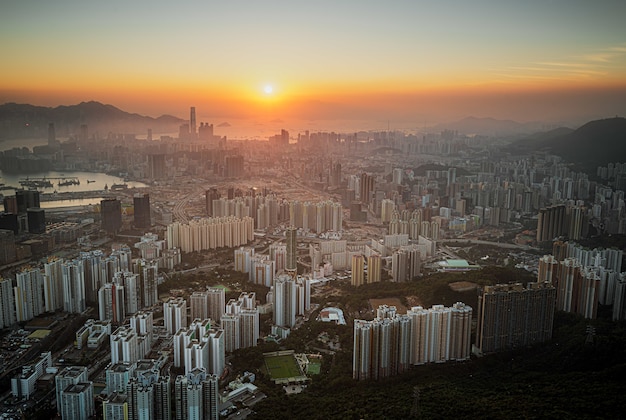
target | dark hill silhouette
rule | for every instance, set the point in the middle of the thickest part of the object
(595, 143)
(547, 135)
(24, 120)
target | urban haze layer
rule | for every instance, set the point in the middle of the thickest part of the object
(366, 274)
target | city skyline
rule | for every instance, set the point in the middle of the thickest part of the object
(404, 61)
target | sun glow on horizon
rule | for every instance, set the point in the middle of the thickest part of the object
(268, 89)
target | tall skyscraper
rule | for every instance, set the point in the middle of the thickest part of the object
(118, 375)
(29, 300)
(73, 286)
(373, 268)
(210, 397)
(285, 301)
(26, 199)
(406, 263)
(77, 402)
(95, 273)
(156, 166)
(149, 397)
(111, 215)
(199, 302)
(367, 184)
(511, 316)
(192, 123)
(619, 302)
(124, 346)
(577, 288)
(148, 277)
(111, 303)
(278, 254)
(358, 270)
(217, 303)
(210, 195)
(7, 246)
(7, 304)
(196, 396)
(217, 356)
(451, 176)
(141, 203)
(241, 322)
(249, 327)
(548, 269)
(36, 220)
(143, 324)
(69, 375)
(551, 223)
(231, 324)
(132, 290)
(181, 341)
(334, 174)
(291, 264)
(243, 258)
(175, 314)
(53, 284)
(197, 355)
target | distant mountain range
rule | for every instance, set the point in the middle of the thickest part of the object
(30, 121)
(491, 127)
(595, 143)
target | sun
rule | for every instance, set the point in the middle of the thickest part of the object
(268, 89)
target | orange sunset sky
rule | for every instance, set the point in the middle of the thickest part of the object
(415, 62)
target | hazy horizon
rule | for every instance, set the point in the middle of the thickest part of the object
(407, 62)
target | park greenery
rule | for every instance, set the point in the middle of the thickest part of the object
(574, 375)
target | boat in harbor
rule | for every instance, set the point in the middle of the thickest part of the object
(117, 187)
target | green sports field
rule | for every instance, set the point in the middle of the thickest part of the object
(283, 366)
(315, 367)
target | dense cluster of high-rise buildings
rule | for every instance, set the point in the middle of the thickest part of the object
(210, 233)
(585, 278)
(392, 342)
(140, 390)
(267, 211)
(119, 285)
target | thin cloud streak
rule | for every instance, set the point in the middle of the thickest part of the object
(591, 66)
